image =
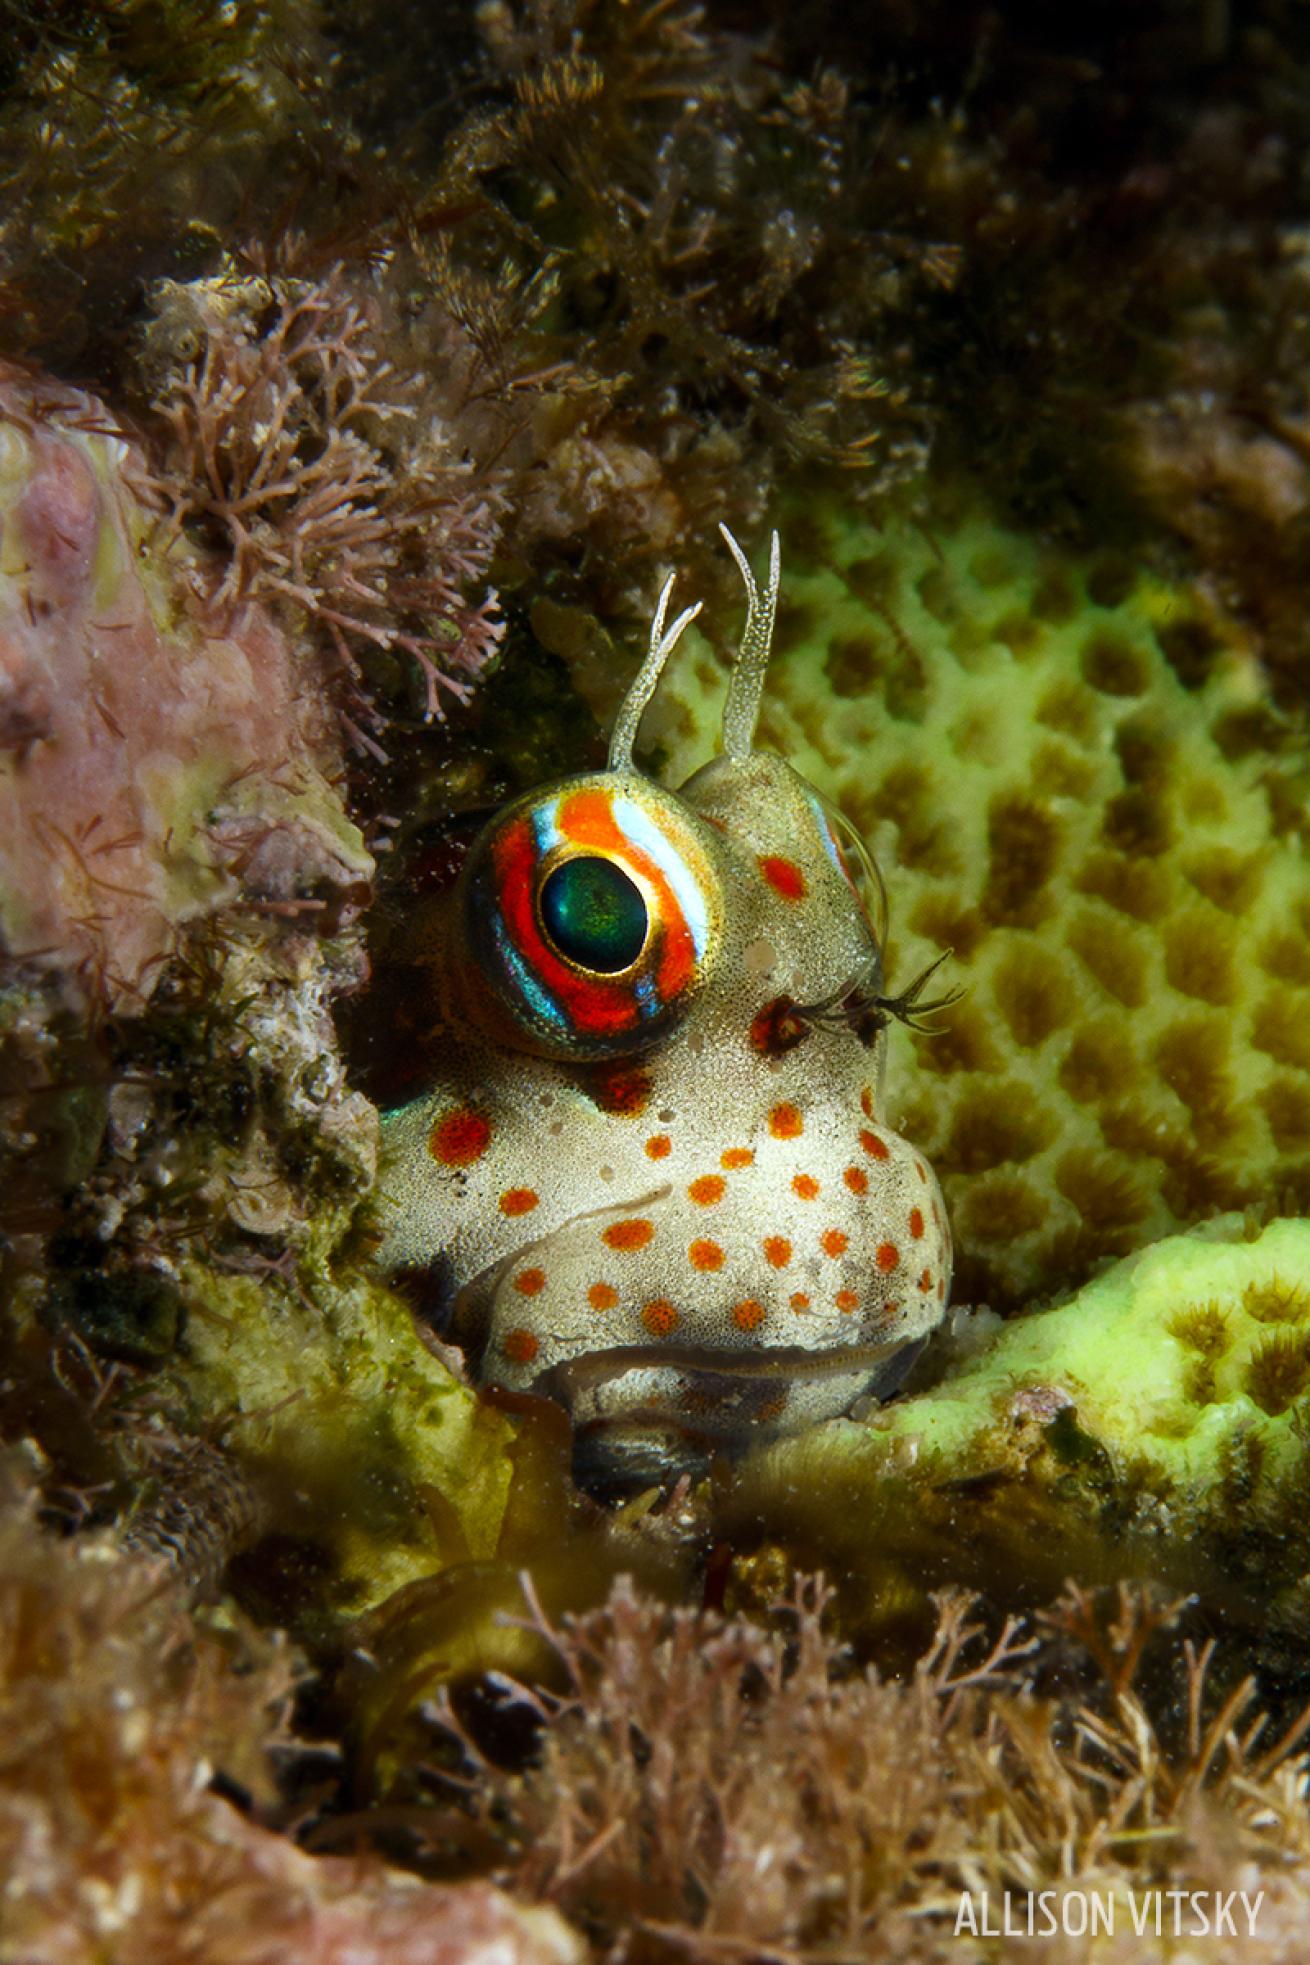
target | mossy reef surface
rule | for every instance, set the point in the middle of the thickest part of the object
(364, 371)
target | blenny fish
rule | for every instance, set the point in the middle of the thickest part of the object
(654, 1180)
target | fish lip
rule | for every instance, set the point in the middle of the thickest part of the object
(794, 1363)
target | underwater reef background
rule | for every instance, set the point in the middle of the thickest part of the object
(364, 370)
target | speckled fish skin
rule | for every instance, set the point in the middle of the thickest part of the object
(701, 1233)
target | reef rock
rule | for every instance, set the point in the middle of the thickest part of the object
(159, 758)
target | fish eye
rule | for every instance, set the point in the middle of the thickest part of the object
(594, 913)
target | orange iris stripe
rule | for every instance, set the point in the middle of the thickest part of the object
(587, 819)
(592, 1004)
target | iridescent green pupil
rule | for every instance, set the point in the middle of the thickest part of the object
(594, 914)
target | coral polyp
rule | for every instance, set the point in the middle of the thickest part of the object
(1073, 778)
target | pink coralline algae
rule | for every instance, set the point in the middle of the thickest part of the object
(159, 759)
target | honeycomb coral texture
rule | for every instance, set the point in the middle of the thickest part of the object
(1071, 778)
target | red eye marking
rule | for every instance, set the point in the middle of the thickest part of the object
(916, 1224)
(834, 1242)
(707, 1190)
(874, 1147)
(777, 1251)
(705, 1255)
(460, 1138)
(518, 1200)
(594, 1006)
(785, 1122)
(857, 1180)
(888, 1256)
(660, 1317)
(846, 1301)
(602, 1296)
(748, 1315)
(627, 1234)
(784, 876)
(586, 817)
(530, 1282)
(659, 1146)
(519, 1346)
(737, 1156)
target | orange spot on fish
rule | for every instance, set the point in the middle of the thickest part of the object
(660, 1317)
(737, 1156)
(627, 1234)
(659, 1146)
(887, 1257)
(806, 1186)
(833, 1242)
(518, 1200)
(857, 1180)
(799, 1300)
(621, 1090)
(460, 1138)
(706, 1190)
(846, 1301)
(785, 1122)
(874, 1147)
(777, 1251)
(916, 1223)
(748, 1315)
(519, 1346)
(530, 1282)
(705, 1255)
(602, 1296)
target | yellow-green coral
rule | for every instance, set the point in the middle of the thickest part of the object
(1072, 779)
(1156, 1422)
(368, 1447)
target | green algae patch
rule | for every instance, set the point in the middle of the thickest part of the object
(371, 1459)
(1153, 1425)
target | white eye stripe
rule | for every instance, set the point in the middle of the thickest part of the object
(645, 834)
(638, 826)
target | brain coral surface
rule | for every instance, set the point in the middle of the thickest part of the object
(1071, 778)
